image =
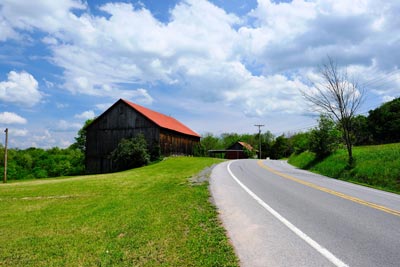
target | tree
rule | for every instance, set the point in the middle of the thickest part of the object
(384, 122)
(281, 148)
(229, 139)
(338, 98)
(324, 139)
(362, 131)
(300, 142)
(268, 140)
(80, 140)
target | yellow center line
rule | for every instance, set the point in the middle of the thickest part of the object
(332, 192)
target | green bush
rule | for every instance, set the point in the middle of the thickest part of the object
(300, 142)
(130, 153)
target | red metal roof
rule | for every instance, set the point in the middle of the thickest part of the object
(246, 145)
(162, 120)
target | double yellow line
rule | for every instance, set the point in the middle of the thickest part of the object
(332, 192)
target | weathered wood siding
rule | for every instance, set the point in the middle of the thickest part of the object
(235, 151)
(122, 121)
(173, 143)
(104, 134)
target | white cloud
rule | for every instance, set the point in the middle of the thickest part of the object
(255, 63)
(66, 126)
(104, 106)
(7, 32)
(11, 118)
(62, 105)
(18, 132)
(46, 15)
(20, 88)
(89, 114)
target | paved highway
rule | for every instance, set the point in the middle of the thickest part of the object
(277, 215)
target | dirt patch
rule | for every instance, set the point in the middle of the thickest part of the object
(202, 177)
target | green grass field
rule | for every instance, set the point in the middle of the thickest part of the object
(376, 166)
(151, 216)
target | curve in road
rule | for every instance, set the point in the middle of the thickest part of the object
(339, 232)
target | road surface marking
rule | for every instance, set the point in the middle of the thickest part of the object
(326, 253)
(332, 192)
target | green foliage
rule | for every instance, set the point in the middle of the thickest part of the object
(80, 140)
(39, 163)
(131, 153)
(229, 139)
(324, 139)
(377, 166)
(155, 152)
(270, 146)
(300, 142)
(207, 142)
(199, 150)
(361, 130)
(384, 122)
(281, 148)
(149, 216)
(249, 153)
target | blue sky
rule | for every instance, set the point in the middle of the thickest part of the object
(218, 66)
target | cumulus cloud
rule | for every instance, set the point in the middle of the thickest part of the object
(20, 88)
(89, 114)
(256, 63)
(18, 132)
(11, 118)
(65, 126)
(46, 15)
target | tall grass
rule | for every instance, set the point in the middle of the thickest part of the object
(151, 216)
(376, 166)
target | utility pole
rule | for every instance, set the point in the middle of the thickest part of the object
(259, 136)
(5, 157)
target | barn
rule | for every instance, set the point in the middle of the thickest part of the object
(238, 150)
(125, 119)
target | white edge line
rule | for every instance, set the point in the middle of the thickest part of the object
(332, 258)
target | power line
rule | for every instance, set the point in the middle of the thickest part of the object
(379, 79)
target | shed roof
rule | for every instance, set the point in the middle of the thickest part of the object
(246, 145)
(242, 144)
(162, 120)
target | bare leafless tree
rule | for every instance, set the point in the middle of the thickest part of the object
(338, 97)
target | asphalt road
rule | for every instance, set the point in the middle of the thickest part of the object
(277, 215)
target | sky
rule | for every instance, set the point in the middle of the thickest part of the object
(217, 66)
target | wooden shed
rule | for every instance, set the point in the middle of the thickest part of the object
(237, 150)
(125, 119)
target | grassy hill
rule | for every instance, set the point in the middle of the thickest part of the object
(151, 216)
(376, 166)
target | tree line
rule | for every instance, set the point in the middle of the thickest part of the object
(380, 126)
(42, 163)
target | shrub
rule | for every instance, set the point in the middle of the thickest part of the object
(130, 153)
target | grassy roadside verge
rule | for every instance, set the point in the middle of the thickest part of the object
(149, 216)
(376, 166)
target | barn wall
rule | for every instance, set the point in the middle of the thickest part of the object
(177, 144)
(235, 154)
(104, 134)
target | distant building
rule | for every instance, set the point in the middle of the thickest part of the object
(236, 151)
(125, 119)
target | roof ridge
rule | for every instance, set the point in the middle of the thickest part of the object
(162, 120)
